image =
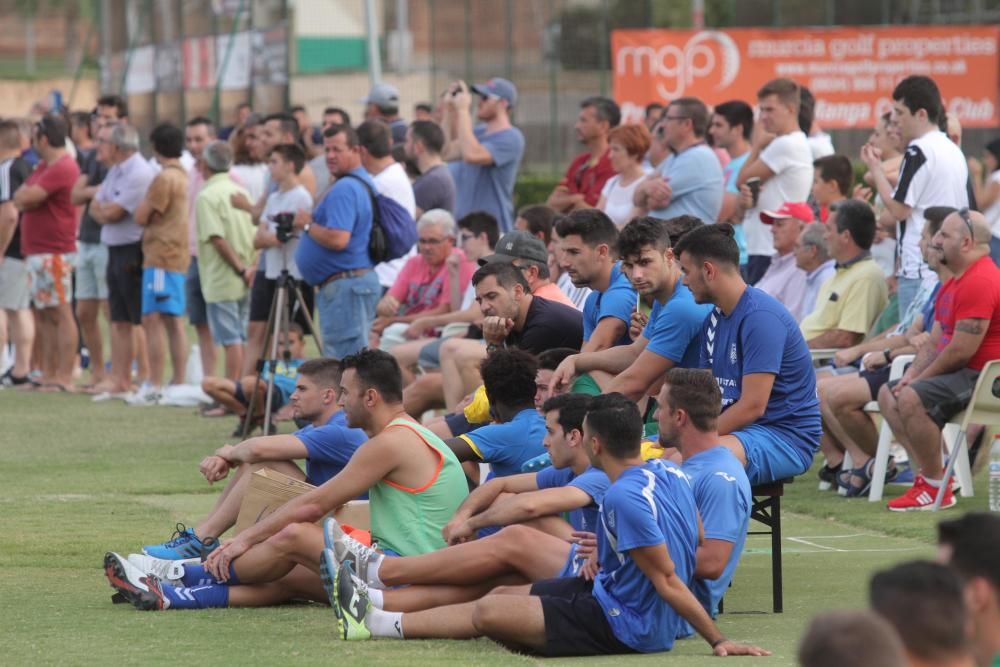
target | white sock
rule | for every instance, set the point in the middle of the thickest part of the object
(936, 483)
(371, 578)
(385, 623)
(375, 596)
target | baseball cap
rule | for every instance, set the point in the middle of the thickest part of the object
(497, 87)
(790, 209)
(517, 244)
(382, 95)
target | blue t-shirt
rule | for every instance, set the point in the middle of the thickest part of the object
(329, 448)
(490, 188)
(347, 206)
(616, 301)
(695, 184)
(674, 328)
(647, 505)
(591, 481)
(730, 173)
(722, 493)
(507, 446)
(761, 336)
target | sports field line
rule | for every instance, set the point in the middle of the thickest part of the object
(825, 548)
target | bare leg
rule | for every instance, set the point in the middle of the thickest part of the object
(426, 392)
(460, 359)
(227, 507)
(270, 560)
(419, 598)
(256, 332)
(177, 339)
(153, 326)
(847, 403)
(47, 348)
(923, 434)
(889, 407)
(22, 334)
(298, 583)
(209, 353)
(515, 620)
(222, 391)
(141, 354)
(121, 355)
(234, 360)
(406, 355)
(830, 442)
(87, 312)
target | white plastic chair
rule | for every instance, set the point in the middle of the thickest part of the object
(885, 433)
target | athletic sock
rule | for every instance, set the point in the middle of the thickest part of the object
(385, 623)
(376, 597)
(198, 597)
(371, 577)
(936, 483)
(197, 575)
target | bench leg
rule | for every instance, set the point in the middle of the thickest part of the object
(776, 592)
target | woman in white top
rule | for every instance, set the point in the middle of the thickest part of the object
(629, 144)
(248, 170)
(985, 177)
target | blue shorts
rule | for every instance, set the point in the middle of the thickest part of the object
(770, 456)
(227, 320)
(573, 564)
(162, 292)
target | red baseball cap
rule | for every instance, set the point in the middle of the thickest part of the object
(790, 209)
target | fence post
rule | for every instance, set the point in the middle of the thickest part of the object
(220, 73)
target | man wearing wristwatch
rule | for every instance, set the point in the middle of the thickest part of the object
(225, 255)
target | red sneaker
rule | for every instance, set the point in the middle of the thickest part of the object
(921, 497)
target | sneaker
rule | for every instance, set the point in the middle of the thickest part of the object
(139, 588)
(182, 545)
(144, 397)
(920, 497)
(352, 602)
(828, 476)
(904, 477)
(105, 396)
(346, 549)
(169, 572)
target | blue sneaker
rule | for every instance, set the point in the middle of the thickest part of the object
(183, 544)
(903, 477)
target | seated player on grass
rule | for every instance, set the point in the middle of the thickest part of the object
(634, 594)
(235, 396)
(414, 483)
(326, 444)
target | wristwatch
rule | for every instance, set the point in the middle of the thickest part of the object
(306, 228)
(887, 352)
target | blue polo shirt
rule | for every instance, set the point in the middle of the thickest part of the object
(329, 448)
(674, 328)
(616, 301)
(507, 446)
(695, 179)
(347, 206)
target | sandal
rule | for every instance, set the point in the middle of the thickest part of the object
(845, 479)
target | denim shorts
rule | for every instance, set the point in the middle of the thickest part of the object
(227, 320)
(197, 313)
(91, 271)
(346, 310)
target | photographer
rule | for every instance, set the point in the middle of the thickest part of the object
(276, 238)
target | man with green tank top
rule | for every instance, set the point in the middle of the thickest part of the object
(415, 484)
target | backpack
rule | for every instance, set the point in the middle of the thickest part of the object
(394, 231)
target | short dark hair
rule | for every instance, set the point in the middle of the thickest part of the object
(374, 137)
(604, 108)
(641, 232)
(244, 105)
(696, 392)
(344, 116)
(349, 134)
(550, 359)
(286, 122)
(507, 275)
(297, 108)
(807, 109)
(714, 243)
(572, 409)
(509, 378)
(54, 129)
(925, 603)
(540, 219)
(696, 111)
(325, 372)
(167, 140)
(653, 106)
(481, 222)
(935, 215)
(858, 218)
(786, 90)
(429, 134)
(10, 134)
(920, 92)
(377, 370)
(291, 153)
(832, 640)
(617, 422)
(202, 120)
(116, 101)
(737, 112)
(592, 225)
(81, 119)
(836, 168)
(423, 106)
(975, 542)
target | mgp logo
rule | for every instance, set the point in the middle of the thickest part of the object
(710, 55)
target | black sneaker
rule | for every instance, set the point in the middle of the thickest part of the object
(828, 476)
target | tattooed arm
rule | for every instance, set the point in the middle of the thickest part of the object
(969, 334)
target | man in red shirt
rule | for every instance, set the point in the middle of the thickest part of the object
(939, 383)
(581, 186)
(48, 242)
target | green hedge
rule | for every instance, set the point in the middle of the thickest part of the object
(533, 189)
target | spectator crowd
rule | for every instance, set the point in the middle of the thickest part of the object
(705, 301)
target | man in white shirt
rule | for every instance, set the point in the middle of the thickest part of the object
(934, 173)
(390, 178)
(780, 157)
(813, 257)
(784, 280)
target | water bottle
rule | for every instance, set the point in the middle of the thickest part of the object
(995, 475)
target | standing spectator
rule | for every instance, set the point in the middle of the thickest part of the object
(985, 176)
(934, 173)
(113, 109)
(335, 116)
(15, 286)
(331, 116)
(434, 187)
(820, 143)
(382, 103)
(249, 167)
(939, 382)
(784, 280)
(487, 155)
(731, 129)
(333, 251)
(423, 111)
(48, 242)
(588, 172)
(781, 158)
(689, 181)
(813, 257)
(243, 109)
(310, 137)
(653, 114)
(225, 249)
(833, 177)
(627, 147)
(278, 128)
(163, 213)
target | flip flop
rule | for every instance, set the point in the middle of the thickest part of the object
(54, 388)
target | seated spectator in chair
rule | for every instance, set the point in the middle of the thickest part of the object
(770, 418)
(326, 444)
(236, 395)
(939, 382)
(672, 335)
(628, 146)
(431, 283)
(813, 258)
(833, 638)
(783, 279)
(969, 546)
(588, 172)
(849, 302)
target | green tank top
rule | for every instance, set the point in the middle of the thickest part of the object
(409, 521)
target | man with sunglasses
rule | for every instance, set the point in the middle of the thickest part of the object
(939, 383)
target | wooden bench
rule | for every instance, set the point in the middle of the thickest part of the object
(766, 509)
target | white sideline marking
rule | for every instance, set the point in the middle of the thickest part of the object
(823, 547)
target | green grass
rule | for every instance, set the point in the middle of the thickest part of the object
(78, 479)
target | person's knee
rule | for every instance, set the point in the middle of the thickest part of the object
(487, 614)
(910, 404)
(290, 538)
(512, 540)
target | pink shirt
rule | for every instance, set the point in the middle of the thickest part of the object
(195, 183)
(418, 287)
(785, 281)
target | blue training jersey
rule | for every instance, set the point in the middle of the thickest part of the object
(330, 447)
(506, 447)
(591, 481)
(674, 328)
(616, 301)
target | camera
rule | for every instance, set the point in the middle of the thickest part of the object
(284, 223)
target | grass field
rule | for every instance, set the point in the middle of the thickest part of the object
(78, 479)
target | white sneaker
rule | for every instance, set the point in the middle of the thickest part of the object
(168, 571)
(111, 396)
(144, 397)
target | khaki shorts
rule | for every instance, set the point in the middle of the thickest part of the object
(14, 293)
(51, 277)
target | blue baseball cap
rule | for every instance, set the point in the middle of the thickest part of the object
(497, 87)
